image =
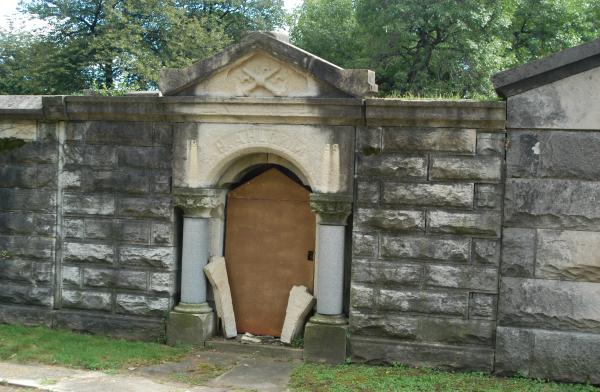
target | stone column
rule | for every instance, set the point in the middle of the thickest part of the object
(192, 320)
(325, 333)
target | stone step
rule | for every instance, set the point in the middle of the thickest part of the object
(266, 350)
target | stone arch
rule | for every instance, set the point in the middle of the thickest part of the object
(238, 168)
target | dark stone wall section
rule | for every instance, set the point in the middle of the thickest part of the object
(426, 244)
(28, 197)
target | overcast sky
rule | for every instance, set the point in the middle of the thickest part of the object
(8, 12)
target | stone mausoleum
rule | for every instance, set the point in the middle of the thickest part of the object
(453, 234)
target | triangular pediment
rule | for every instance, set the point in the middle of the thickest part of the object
(263, 65)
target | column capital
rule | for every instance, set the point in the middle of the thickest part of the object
(199, 202)
(331, 208)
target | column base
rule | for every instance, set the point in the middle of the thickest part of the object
(189, 328)
(326, 342)
(183, 307)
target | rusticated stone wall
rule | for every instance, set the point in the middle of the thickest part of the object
(549, 310)
(28, 224)
(119, 255)
(426, 233)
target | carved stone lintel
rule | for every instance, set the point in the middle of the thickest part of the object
(331, 208)
(200, 203)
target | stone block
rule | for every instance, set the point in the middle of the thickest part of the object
(465, 168)
(19, 270)
(46, 176)
(518, 252)
(423, 329)
(18, 176)
(442, 195)
(27, 247)
(132, 280)
(423, 302)
(392, 166)
(102, 204)
(364, 244)
(114, 132)
(568, 255)
(124, 327)
(549, 304)
(28, 200)
(163, 283)
(300, 303)
(477, 223)
(25, 315)
(160, 182)
(555, 355)
(26, 294)
(16, 223)
(425, 248)
(488, 196)
(100, 229)
(513, 351)
(97, 156)
(142, 305)
(148, 256)
(162, 133)
(431, 355)
(386, 273)
(42, 273)
(369, 140)
(552, 204)
(145, 157)
(367, 192)
(429, 139)
(162, 234)
(156, 207)
(554, 154)
(71, 276)
(461, 277)
(216, 273)
(483, 305)
(325, 343)
(491, 143)
(486, 251)
(190, 328)
(361, 296)
(389, 220)
(31, 152)
(87, 300)
(74, 252)
(74, 228)
(135, 232)
(566, 356)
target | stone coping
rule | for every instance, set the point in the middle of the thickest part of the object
(327, 111)
(549, 69)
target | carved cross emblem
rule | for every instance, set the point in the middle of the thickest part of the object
(263, 78)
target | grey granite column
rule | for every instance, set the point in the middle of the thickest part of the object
(325, 333)
(192, 320)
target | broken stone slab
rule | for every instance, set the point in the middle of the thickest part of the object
(216, 273)
(299, 304)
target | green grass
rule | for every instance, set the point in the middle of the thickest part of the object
(66, 348)
(321, 378)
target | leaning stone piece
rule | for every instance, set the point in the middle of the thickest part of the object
(216, 272)
(299, 304)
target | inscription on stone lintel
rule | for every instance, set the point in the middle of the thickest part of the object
(263, 138)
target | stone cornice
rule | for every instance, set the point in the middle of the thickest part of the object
(201, 203)
(436, 113)
(331, 208)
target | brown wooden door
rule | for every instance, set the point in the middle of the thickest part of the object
(270, 230)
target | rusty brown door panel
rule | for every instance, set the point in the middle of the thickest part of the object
(270, 230)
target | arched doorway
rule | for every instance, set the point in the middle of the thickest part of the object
(269, 247)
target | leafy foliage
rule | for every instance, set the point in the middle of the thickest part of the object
(441, 47)
(122, 42)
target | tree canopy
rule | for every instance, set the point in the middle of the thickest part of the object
(417, 47)
(441, 47)
(107, 42)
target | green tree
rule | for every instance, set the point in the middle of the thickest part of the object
(441, 47)
(328, 28)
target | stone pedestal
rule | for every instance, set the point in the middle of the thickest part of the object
(193, 321)
(190, 328)
(325, 335)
